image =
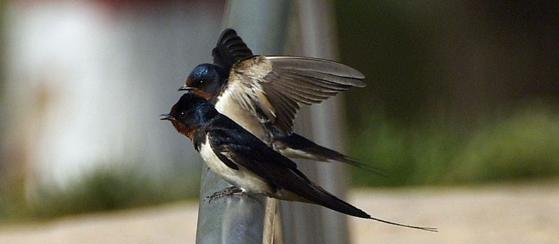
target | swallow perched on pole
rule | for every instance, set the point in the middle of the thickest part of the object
(246, 162)
(263, 93)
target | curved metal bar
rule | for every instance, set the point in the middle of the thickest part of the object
(231, 220)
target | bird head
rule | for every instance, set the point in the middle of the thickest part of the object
(205, 80)
(190, 113)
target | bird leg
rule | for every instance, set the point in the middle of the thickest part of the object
(229, 191)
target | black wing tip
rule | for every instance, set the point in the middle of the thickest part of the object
(356, 212)
(342, 158)
(375, 170)
(322, 153)
(228, 32)
(230, 48)
(230, 38)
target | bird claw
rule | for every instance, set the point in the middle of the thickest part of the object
(229, 191)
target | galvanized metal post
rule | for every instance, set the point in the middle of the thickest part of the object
(263, 25)
(319, 40)
(244, 220)
(303, 223)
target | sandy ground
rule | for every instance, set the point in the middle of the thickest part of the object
(497, 214)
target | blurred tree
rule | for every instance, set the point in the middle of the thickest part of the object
(457, 60)
(524, 46)
(442, 73)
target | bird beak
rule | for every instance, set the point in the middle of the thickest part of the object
(166, 117)
(186, 88)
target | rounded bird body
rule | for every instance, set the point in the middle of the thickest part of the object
(241, 177)
(264, 93)
(246, 162)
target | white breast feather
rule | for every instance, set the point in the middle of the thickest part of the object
(242, 178)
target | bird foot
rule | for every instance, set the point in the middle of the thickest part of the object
(229, 191)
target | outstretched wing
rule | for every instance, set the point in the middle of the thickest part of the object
(230, 49)
(274, 87)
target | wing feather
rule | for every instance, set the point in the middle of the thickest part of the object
(274, 87)
(285, 107)
(230, 49)
(240, 148)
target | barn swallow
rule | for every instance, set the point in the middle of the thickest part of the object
(246, 162)
(264, 93)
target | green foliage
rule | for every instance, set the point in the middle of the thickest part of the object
(522, 146)
(12, 206)
(106, 188)
(378, 39)
(3, 212)
(525, 146)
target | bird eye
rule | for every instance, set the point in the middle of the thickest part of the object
(182, 114)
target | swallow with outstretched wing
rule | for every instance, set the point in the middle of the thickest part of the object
(263, 93)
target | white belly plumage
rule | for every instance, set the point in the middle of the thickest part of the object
(229, 107)
(242, 178)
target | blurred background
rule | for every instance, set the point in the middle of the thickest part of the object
(461, 110)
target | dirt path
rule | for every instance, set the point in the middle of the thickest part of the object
(167, 224)
(500, 214)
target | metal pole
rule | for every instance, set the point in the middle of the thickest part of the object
(303, 223)
(244, 220)
(319, 40)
